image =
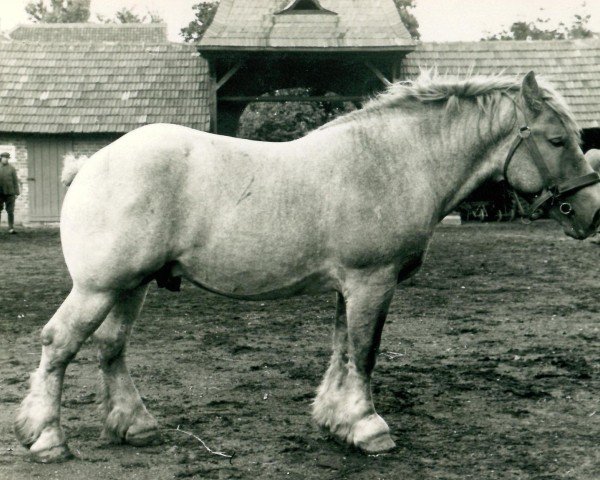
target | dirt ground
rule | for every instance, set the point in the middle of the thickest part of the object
(489, 369)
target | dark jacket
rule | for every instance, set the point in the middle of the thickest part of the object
(9, 183)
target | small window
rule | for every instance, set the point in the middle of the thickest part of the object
(305, 6)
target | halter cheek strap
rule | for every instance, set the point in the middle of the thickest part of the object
(553, 190)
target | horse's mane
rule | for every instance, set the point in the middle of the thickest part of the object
(451, 92)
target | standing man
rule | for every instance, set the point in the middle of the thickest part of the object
(9, 189)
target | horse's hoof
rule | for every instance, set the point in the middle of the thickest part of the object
(137, 428)
(143, 438)
(373, 435)
(379, 444)
(143, 431)
(50, 447)
(56, 454)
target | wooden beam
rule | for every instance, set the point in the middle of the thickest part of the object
(397, 70)
(213, 99)
(225, 78)
(378, 74)
(293, 98)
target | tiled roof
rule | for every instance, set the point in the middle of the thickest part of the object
(355, 25)
(572, 66)
(103, 87)
(92, 32)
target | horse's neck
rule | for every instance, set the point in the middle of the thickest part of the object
(454, 153)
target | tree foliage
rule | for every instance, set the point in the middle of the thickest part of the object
(541, 29)
(408, 19)
(58, 11)
(284, 121)
(204, 12)
(127, 15)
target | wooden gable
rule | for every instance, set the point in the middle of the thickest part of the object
(312, 25)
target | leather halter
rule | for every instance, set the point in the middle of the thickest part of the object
(553, 189)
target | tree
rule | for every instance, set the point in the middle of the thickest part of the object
(579, 28)
(540, 30)
(58, 11)
(408, 19)
(126, 15)
(205, 12)
(284, 121)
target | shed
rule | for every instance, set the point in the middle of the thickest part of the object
(347, 47)
(75, 88)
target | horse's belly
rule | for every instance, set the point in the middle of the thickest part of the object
(315, 283)
(255, 278)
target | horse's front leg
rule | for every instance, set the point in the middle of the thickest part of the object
(344, 404)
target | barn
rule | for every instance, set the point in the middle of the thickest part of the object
(74, 88)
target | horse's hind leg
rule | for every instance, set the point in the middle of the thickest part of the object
(126, 417)
(344, 404)
(38, 421)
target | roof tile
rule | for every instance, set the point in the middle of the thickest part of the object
(66, 87)
(355, 25)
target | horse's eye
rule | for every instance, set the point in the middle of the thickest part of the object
(557, 142)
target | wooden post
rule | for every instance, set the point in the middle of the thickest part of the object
(213, 97)
(396, 70)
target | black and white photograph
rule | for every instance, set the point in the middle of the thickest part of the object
(299, 239)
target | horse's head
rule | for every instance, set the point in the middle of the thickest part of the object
(546, 164)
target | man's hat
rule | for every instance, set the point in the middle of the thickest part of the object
(5, 154)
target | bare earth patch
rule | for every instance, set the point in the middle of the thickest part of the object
(489, 369)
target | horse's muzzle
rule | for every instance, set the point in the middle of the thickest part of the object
(574, 225)
(579, 231)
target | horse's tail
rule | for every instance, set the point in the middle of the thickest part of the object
(71, 165)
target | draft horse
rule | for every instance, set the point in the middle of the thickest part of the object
(351, 208)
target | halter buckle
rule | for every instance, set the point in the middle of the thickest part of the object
(524, 132)
(565, 208)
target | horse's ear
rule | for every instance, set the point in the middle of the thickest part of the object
(532, 95)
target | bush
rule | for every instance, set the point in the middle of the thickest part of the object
(285, 121)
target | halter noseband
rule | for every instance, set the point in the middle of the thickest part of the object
(553, 190)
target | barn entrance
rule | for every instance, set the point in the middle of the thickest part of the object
(44, 158)
(324, 46)
(242, 78)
